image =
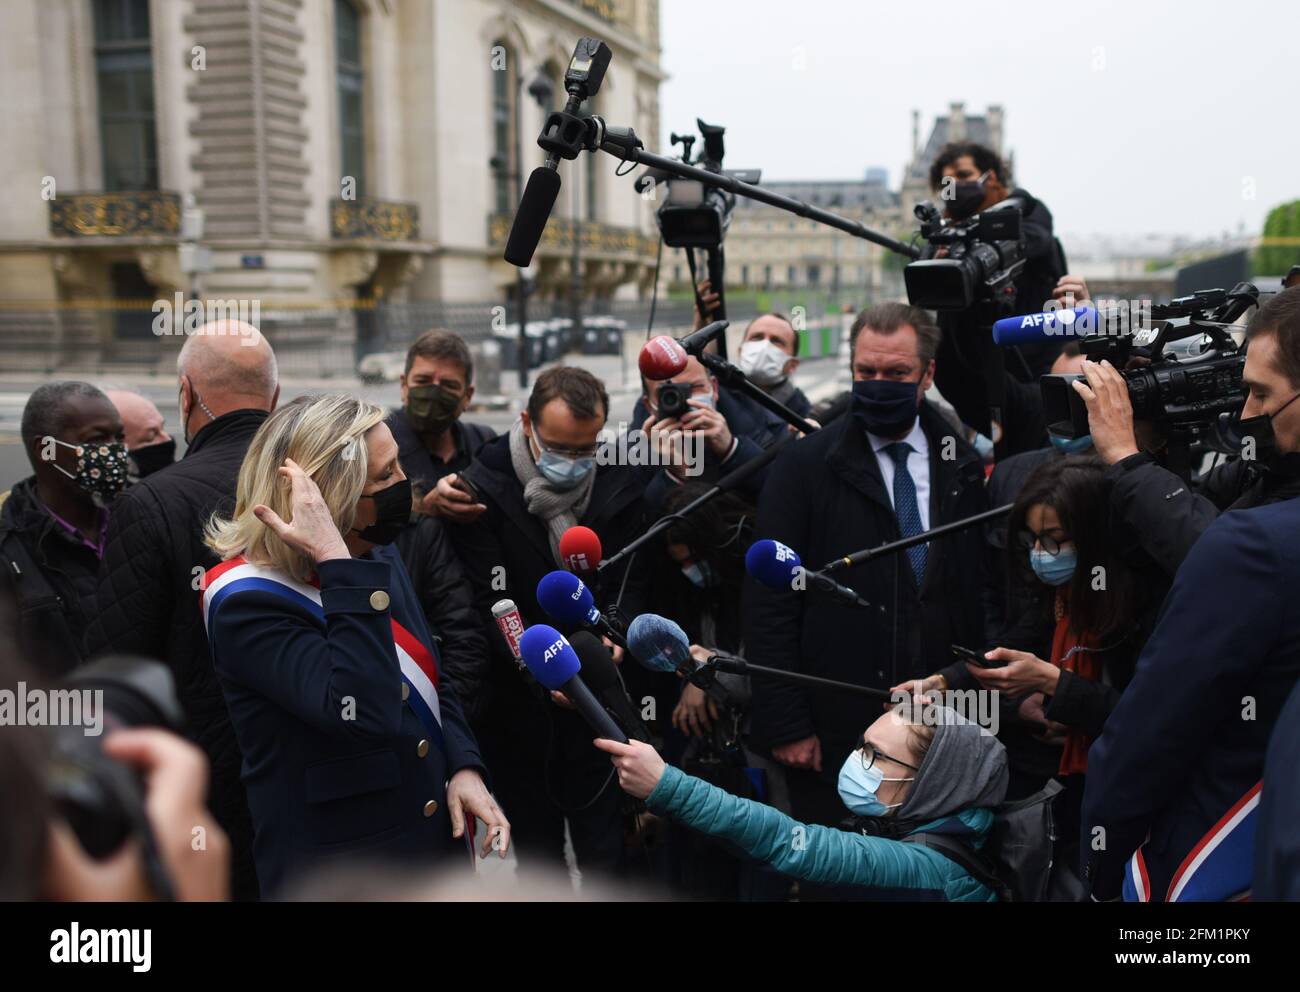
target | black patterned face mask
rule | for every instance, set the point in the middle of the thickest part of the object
(101, 468)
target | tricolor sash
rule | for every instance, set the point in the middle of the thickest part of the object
(1219, 866)
(418, 664)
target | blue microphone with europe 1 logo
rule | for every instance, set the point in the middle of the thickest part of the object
(565, 597)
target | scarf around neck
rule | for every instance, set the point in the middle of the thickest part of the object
(559, 509)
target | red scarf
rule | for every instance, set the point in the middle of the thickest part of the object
(1085, 664)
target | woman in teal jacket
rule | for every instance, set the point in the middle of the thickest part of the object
(918, 770)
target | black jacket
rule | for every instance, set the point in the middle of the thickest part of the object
(416, 460)
(506, 551)
(148, 602)
(825, 498)
(1003, 605)
(45, 614)
(439, 582)
(1165, 516)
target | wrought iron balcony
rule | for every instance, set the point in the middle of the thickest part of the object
(126, 215)
(595, 238)
(379, 220)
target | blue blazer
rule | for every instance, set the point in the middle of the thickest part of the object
(338, 760)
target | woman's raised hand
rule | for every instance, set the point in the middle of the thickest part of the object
(311, 528)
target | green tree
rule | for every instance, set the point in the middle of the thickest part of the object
(1283, 223)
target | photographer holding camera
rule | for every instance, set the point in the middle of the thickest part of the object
(970, 179)
(1156, 504)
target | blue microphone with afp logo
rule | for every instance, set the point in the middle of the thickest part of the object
(552, 661)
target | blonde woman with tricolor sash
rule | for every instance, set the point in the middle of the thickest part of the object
(353, 746)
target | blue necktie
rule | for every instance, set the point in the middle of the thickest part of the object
(905, 507)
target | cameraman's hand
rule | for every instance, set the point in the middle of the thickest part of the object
(1071, 291)
(194, 849)
(710, 423)
(710, 301)
(1110, 412)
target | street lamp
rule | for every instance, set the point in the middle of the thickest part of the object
(542, 91)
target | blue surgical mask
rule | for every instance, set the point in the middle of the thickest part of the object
(858, 786)
(1054, 570)
(1070, 445)
(700, 574)
(705, 399)
(562, 472)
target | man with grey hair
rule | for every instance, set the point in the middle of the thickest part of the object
(155, 556)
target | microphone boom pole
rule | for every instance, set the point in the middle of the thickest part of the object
(893, 547)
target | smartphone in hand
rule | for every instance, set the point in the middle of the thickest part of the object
(974, 657)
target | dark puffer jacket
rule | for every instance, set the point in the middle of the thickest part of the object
(45, 614)
(148, 603)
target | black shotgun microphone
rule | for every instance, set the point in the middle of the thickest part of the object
(533, 213)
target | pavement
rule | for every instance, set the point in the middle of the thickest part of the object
(818, 377)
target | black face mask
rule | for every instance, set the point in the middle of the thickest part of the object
(885, 407)
(431, 409)
(153, 457)
(966, 198)
(1239, 434)
(392, 513)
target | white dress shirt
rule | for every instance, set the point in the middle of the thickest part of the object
(918, 466)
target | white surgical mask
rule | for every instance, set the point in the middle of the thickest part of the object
(763, 362)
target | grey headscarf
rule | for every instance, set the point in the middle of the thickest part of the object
(966, 766)
(560, 508)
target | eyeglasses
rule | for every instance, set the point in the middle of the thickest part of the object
(869, 754)
(567, 452)
(1026, 539)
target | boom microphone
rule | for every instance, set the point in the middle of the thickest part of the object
(601, 676)
(566, 598)
(580, 549)
(533, 213)
(696, 342)
(776, 566)
(661, 358)
(551, 659)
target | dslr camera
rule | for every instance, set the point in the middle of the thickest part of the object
(673, 398)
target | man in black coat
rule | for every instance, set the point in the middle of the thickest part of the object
(53, 523)
(432, 439)
(891, 469)
(544, 769)
(151, 575)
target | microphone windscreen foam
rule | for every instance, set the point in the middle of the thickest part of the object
(598, 669)
(772, 563)
(564, 597)
(661, 358)
(549, 656)
(659, 644)
(531, 217)
(580, 549)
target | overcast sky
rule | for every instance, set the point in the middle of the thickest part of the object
(1127, 118)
